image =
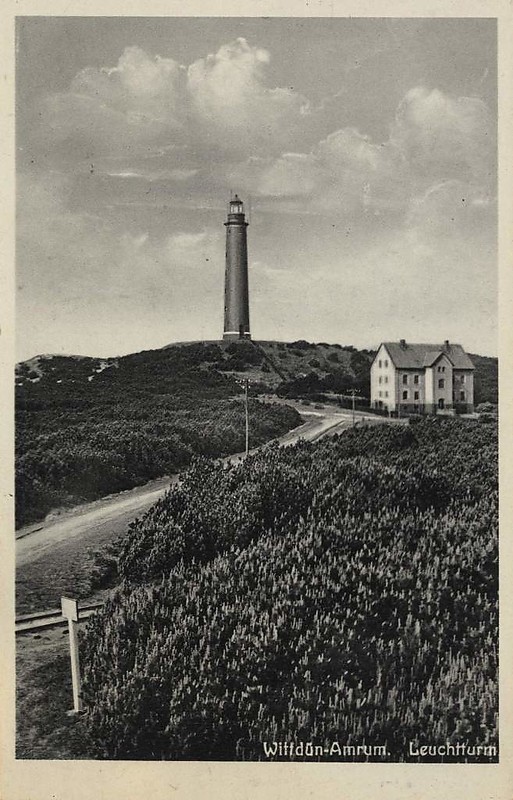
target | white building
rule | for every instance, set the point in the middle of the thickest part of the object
(422, 378)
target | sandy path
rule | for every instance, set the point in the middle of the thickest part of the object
(109, 516)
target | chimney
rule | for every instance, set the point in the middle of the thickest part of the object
(447, 346)
(402, 342)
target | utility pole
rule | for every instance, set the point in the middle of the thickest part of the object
(352, 397)
(244, 382)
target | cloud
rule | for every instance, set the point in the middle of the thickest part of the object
(445, 136)
(156, 175)
(234, 106)
(140, 87)
(218, 123)
(222, 102)
(433, 138)
(343, 171)
(139, 101)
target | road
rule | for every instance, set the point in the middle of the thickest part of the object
(103, 520)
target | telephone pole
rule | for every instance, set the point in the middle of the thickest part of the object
(244, 382)
(352, 397)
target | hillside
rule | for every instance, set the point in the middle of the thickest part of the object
(486, 379)
(87, 427)
(295, 368)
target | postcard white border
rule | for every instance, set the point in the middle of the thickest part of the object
(91, 780)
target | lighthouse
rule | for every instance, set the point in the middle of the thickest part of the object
(236, 291)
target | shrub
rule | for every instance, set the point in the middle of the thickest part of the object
(359, 572)
(486, 408)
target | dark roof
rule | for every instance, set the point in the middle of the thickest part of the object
(419, 356)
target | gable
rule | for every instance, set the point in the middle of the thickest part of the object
(441, 359)
(382, 355)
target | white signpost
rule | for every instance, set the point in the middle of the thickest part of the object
(70, 612)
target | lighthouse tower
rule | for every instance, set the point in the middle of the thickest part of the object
(236, 292)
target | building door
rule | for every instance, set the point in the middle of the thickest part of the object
(441, 403)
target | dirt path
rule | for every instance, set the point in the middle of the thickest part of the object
(110, 515)
(57, 556)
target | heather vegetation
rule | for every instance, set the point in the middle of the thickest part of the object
(344, 590)
(86, 428)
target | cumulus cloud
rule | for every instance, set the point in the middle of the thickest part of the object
(221, 117)
(233, 104)
(139, 86)
(222, 102)
(343, 171)
(433, 138)
(139, 101)
(445, 136)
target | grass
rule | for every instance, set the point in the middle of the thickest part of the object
(41, 583)
(43, 696)
(43, 677)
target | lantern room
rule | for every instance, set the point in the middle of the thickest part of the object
(235, 207)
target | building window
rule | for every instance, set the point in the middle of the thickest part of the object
(386, 394)
(379, 363)
(463, 379)
(415, 379)
(386, 378)
(405, 379)
(415, 395)
(380, 394)
(380, 379)
(462, 396)
(405, 395)
(386, 362)
(441, 383)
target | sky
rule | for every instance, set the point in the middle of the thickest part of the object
(364, 149)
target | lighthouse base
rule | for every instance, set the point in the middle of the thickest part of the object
(233, 336)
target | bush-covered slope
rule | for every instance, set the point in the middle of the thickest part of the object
(343, 591)
(86, 428)
(486, 379)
